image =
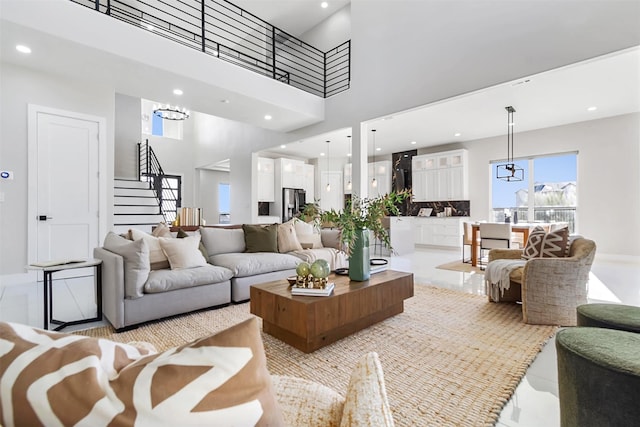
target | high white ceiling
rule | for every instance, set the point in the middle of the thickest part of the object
(293, 16)
(610, 83)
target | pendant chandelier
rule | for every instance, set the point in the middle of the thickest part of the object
(328, 183)
(374, 181)
(170, 112)
(509, 171)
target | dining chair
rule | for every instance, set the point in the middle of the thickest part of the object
(494, 236)
(467, 234)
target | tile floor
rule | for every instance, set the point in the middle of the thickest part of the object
(535, 402)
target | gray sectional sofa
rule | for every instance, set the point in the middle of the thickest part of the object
(133, 295)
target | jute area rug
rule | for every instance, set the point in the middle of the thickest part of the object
(451, 359)
(460, 266)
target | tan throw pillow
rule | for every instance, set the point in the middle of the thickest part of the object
(261, 238)
(546, 245)
(157, 258)
(161, 230)
(135, 256)
(287, 238)
(182, 253)
(71, 379)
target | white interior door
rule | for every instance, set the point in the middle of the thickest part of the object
(67, 202)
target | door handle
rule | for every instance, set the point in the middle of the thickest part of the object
(44, 217)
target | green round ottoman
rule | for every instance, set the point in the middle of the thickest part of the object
(598, 377)
(611, 316)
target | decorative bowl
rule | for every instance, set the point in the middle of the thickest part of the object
(292, 280)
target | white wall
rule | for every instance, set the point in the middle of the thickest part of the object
(608, 175)
(331, 32)
(127, 135)
(20, 87)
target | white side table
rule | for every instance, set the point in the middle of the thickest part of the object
(48, 291)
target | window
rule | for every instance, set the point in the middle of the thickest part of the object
(553, 182)
(224, 203)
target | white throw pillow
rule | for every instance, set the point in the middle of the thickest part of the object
(136, 262)
(157, 258)
(183, 253)
(307, 234)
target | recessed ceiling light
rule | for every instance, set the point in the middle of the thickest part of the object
(457, 134)
(594, 108)
(224, 101)
(349, 155)
(322, 154)
(413, 142)
(23, 49)
(267, 117)
(378, 149)
(406, 155)
(283, 146)
(324, 5)
(178, 92)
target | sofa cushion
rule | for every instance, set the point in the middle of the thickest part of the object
(157, 258)
(168, 280)
(335, 258)
(222, 240)
(250, 264)
(182, 253)
(546, 245)
(60, 379)
(135, 257)
(260, 238)
(287, 238)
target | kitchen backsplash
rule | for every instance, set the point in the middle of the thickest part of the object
(458, 207)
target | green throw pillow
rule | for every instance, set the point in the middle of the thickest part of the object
(182, 234)
(261, 238)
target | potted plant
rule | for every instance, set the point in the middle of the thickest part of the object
(359, 217)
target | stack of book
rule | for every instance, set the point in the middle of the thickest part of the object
(313, 291)
(190, 216)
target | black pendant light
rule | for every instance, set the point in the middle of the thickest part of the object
(509, 171)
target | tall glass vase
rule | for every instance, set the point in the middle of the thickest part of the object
(359, 263)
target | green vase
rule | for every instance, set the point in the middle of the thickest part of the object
(359, 264)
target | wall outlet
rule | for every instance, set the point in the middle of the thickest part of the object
(6, 175)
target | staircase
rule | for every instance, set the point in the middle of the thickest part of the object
(135, 206)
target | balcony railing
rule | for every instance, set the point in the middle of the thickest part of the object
(542, 214)
(223, 30)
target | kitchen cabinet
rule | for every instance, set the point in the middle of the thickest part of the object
(434, 231)
(347, 182)
(291, 173)
(440, 176)
(266, 180)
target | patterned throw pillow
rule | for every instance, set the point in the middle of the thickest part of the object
(50, 378)
(546, 245)
(287, 238)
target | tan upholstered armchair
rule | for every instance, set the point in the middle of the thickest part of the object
(550, 288)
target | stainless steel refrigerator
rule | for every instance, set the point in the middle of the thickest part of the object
(293, 201)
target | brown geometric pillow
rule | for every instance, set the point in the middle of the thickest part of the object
(52, 378)
(546, 245)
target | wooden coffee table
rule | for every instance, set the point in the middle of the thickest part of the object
(309, 323)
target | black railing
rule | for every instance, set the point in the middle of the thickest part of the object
(221, 29)
(150, 170)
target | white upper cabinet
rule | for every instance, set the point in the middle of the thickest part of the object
(382, 172)
(309, 182)
(266, 180)
(292, 173)
(347, 182)
(440, 176)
